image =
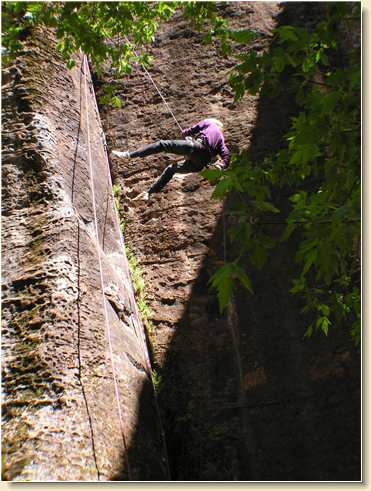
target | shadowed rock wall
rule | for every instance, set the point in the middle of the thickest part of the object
(60, 414)
(243, 396)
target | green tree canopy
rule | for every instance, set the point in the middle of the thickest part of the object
(318, 162)
(97, 28)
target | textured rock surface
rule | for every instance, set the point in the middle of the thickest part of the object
(171, 236)
(243, 396)
(60, 413)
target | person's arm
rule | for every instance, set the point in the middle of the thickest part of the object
(224, 153)
(196, 128)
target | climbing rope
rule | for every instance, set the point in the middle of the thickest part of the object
(116, 388)
(78, 300)
(155, 86)
(141, 334)
(224, 237)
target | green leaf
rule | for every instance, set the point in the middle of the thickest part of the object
(323, 323)
(34, 7)
(224, 279)
(71, 64)
(223, 187)
(212, 175)
(243, 279)
(304, 154)
(309, 332)
(258, 256)
(324, 309)
(307, 65)
(299, 285)
(116, 102)
(287, 33)
(265, 206)
(222, 282)
(278, 63)
(297, 197)
(291, 226)
(243, 36)
(309, 260)
(329, 101)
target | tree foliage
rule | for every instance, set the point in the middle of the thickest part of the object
(100, 29)
(109, 33)
(319, 162)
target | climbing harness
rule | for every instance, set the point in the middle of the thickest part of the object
(116, 388)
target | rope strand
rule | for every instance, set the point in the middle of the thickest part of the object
(155, 86)
(116, 388)
(162, 97)
(141, 333)
(78, 300)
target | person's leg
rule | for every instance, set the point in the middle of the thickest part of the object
(179, 147)
(182, 167)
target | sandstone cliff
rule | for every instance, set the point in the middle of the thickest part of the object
(242, 395)
(74, 359)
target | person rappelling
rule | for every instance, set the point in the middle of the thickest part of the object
(201, 144)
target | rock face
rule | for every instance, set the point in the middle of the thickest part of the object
(243, 396)
(77, 391)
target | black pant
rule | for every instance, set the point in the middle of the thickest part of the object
(197, 157)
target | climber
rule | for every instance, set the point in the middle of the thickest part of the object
(207, 142)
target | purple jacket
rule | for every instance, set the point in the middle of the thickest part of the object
(213, 136)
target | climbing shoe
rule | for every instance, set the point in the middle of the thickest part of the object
(144, 196)
(122, 155)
